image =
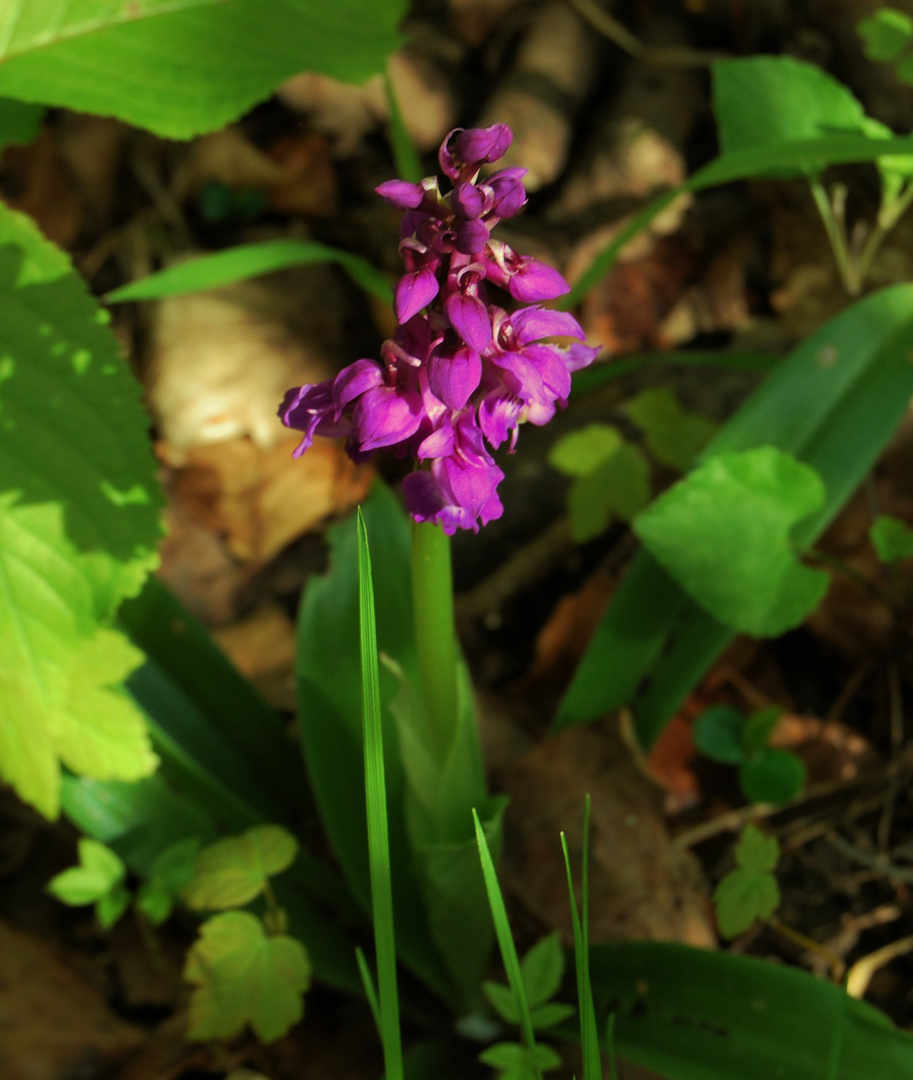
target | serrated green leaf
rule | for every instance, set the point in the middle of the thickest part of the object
(244, 977)
(718, 734)
(742, 897)
(79, 522)
(723, 533)
(99, 871)
(542, 969)
(180, 68)
(885, 34)
(672, 436)
(110, 908)
(579, 452)
(231, 872)
(772, 776)
(891, 538)
(620, 485)
(755, 851)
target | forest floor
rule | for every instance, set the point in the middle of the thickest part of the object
(743, 269)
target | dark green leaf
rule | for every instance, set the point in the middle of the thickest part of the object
(20, 122)
(718, 734)
(697, 1014)
(672, 436)
(772, 776)
(110, 908)
(554, 1012)
(759, 727)
(742, 897)
(581, 452)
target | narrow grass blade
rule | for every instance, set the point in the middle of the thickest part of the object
(367, 981)
(408, 163)
(376, 798)
(506, 943)
(610, 1047)
(589, 1035)
(247, 261)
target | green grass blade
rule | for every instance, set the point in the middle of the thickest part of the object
(376, 799)
(506, 942)
(589, 1035)
(247, 261)
(367, 981)
(610, 1047)
(408, 163)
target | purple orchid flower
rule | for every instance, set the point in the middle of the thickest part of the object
(461, 373)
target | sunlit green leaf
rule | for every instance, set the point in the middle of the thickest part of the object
(723, 533)
(179, 68)
(241, 976)
(885, 33)
(231, 872)
(98, 873)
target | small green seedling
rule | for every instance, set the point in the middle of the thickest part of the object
(891, 538)
(514, 1061)
(244, 969)
(750, 892)
(541, 969)
(171, 873)
(98, 879)
(766, 775)
(610, 478)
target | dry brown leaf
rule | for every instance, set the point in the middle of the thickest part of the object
(52, 1023)
(640, 886)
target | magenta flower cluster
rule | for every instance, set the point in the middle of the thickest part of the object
(461, 372)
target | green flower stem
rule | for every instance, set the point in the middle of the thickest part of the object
(432, 591)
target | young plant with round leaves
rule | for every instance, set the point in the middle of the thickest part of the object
(766, 774)
(750, 891)
(98, 879)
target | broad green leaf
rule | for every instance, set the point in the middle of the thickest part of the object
(619, 485)
(891, 538)
(759, 727)
(503, 1055)
(542, 969)
(672, 436)
(718, 734)
(247, 261)
(231, 872)
(19, 122)
(79, 522)
(772, 776)
(763, 100)
(516, 1062)
(885, 34)
(180, 67)
(724, 533)
(241, 976)
(699, 1014)
(98, 873)
(582, 451)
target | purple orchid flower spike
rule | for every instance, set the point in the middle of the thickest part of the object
(462, 372)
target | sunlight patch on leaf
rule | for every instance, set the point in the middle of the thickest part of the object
(723, 533)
